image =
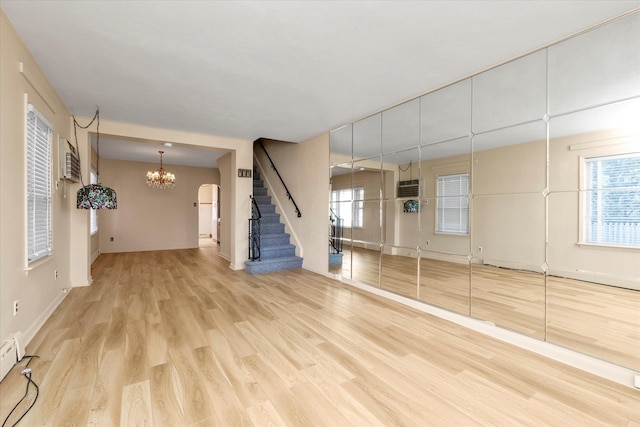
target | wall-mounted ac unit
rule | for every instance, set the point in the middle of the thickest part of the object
(410, 188)
(69, 161)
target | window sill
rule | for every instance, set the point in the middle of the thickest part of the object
(37, 263)
(444, 233)
(607, 245)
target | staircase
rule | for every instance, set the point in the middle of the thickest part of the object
(276, 253)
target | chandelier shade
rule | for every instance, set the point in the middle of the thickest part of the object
(95, 196)
(160, 178)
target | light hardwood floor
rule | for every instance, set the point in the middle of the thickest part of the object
(175, 338)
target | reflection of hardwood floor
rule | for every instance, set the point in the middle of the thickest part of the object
(606, 322)
(509, 298)
(602, 321)
(177, 338)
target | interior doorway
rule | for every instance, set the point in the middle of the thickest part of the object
(209, 215)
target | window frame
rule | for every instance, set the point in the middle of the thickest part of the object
(587, 191)
(439, 210)
(38, 186)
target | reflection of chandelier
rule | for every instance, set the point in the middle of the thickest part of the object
(160, 178)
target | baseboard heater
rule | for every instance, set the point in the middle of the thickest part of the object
(11, 352)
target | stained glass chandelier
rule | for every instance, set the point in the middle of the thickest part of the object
(94, 196)
(160, 178)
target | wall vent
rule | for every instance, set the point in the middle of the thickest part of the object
(410, 188)
(69, 162)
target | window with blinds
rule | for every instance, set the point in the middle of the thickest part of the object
(452, 211)
(38, 185)
(611, 209)
(93, 213)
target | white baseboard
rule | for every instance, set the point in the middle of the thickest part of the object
(40, 320)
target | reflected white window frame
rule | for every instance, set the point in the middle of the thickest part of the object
(348, 205)
(601, 234)
(461, 204)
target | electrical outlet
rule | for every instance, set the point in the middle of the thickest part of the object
(55, 274)
(16, 307)
(479, 249)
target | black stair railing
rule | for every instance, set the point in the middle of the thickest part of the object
(273, 166)
(335, 233)
(254, 231)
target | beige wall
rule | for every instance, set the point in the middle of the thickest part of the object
(225, 166)
(150, 218)
(38, 290)
(305, 169)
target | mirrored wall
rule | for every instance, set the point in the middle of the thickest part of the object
(512, 196)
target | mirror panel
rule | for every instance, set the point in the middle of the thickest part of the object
(341, 144)
(367, 137)
(510, 94)
(399, 271)
(593, 247)
(508, 261)
(402, 220)
(511, 160)
(595, 68)
(446, 113)
(365, 264)
(401, 127)
(444, 224)
(444, 281)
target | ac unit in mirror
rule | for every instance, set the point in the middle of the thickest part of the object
(410, 188)
(69, 161)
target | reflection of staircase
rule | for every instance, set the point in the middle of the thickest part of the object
(276, 253)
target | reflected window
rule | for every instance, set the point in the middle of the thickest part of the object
(612, 200)
(453, 204)
(350, 213)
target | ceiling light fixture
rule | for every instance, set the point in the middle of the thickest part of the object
(94, 196)
(160, 178)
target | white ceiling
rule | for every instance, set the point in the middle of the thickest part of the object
(286, 70)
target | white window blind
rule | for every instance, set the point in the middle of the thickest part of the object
(38, 185)
(93, 213)
(453, 204)
(349, 206)
(611, 213)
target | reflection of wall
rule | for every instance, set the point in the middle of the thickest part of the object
(508, 215)
(148, 218)
(600, 264)
(446, 243)
(371, 182)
